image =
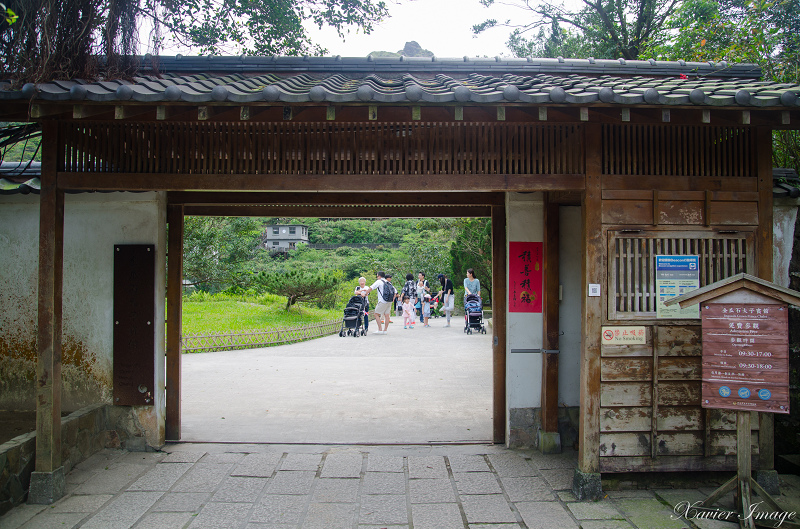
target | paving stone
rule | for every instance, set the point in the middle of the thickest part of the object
(468, 463)
(183, 457)
(279, 509)
(123, 511)
(477, 483)
(19, 515)
(101, 459)
(223, 458)
(291, 482)
(431, 491)
(77, 476)
(682, 500)
(271, 526)
(594, 510)
(489, 508)
(182, 502)
(336, 490)
(202, 478)
(384, 483)
(382, 526)
(342, 466)
(545, 515)
(616, 494)
(302, 462)
(567, 459)
(494, 526)
(383, 509)
(426, 467)
(140, 458)
(257, 465)
(377, 463)
(79, 503)
(162, 477)
(511, 465)
(607, 524)
(649, 513)
(221, 516)
(558, 479)
(239, 489)
(566, 496)
(527, 489)
(330, 516)
(163, 520)
(52, 520)
(110, 481)
(436, 516)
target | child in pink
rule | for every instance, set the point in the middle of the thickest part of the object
(408, 313)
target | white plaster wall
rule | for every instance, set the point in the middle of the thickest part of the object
(784, 218)
(569, 315)
(524, 223)
(93, 224)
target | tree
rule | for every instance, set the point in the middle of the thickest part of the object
(603, 28)
(472, 248)
(218, 251)
(301, 285)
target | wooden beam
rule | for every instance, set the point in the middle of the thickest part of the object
(88, 111)
(593, 265)
(84, 181)
(499, 287)
(174, 320)
(51, 266)
(550, 302)
(190, 198)
(408, 212)
(764, 258)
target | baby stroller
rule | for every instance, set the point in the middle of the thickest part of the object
(353, 320)
(473, 314)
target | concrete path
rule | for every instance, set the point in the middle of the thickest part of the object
(408, 386)
(200, 486)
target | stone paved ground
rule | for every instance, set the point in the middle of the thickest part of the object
(202, 486)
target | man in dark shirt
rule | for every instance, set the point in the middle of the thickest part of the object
(447, 295)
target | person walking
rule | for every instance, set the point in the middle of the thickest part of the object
(384, 306)
(422, 287)
(361, 290)
(472, 285)
(408, 313)
(447, 295)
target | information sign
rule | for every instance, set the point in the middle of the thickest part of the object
(525, 276)
(624, 335)
(676, 275)
(746, 357)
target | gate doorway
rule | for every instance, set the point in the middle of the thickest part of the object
(385, 389)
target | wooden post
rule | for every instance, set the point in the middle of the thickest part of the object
(551, 328)
(743, 466)
(592, 313)
(174, 320)
(51, 266)
(764, 249)
(499, 280)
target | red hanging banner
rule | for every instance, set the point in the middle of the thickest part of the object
(525, 276)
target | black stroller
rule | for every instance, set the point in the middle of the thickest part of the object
(353, 320)
(473, 314)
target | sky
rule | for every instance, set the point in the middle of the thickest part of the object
(441, 26)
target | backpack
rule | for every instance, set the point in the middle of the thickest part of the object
(388, 291)
(410, 289)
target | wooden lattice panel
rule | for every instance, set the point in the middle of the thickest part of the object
(323, 148)
(672, 150)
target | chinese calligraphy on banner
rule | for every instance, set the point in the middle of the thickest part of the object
(525, 276)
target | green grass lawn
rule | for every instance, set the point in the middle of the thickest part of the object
(219, 314)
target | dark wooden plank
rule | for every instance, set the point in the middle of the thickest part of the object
(344, 183)
(626, 394)
(733, 213)
(550, 303)
(51, 269)
(627, 212)
(174, 321)
(681, 212)
(671, 182)
(625, 419)
(624, 444)
(340, 211)
(499, 279)
(626, 369)
(190, 198)
(593, 271)
(669, 464)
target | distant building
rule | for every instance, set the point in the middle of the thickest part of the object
(283, 237)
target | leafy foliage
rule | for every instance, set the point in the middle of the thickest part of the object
(602, 28)
(302, 285)
(472, 248)
(218, 251)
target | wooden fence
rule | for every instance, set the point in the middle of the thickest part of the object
(199, 343)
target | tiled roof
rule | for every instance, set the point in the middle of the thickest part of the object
(485, 81)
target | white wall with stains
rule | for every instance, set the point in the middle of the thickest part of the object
(93, 224)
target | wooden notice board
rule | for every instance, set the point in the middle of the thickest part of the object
(746, 356)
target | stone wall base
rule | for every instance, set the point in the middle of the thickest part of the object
(526, 423)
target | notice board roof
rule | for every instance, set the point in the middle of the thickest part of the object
(734, 283)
